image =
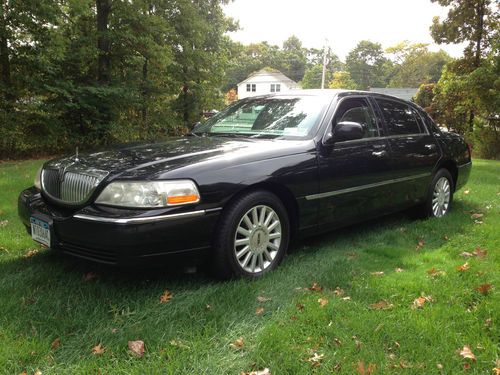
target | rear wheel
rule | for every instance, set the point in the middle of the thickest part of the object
(252, 237)
(440, 195)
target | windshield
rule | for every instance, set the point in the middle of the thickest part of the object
(294, 117)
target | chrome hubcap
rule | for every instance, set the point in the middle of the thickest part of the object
(441, 197)
(257, 239)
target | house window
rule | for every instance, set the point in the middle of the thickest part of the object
(248, 87)
(254, 87)
(275, 87)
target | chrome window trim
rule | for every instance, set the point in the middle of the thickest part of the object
(363, 187)
(147, 219)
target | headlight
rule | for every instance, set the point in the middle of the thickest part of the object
(149, 194)
(38, 176)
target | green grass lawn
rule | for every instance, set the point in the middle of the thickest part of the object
(44, 296)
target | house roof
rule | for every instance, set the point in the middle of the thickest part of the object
(271, 72)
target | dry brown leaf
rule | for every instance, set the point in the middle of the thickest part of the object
(265, 371)
(496, 371)
(381, 305)
(23, 373)
(484, 288)
(378, 273)
(237, 344)
(136, 347)
(464, 267)
(419, 302)
(488, 322)
(338, 291)
(466, 254)
(30, 253)
(465, 352)
(37, 372)
(370, 369)
(435, 272)
(259, 311)
(476, 216)
(300, 307)
(323, 302)
(263, 299)
(89, 276)
(315, 287)
(420, 244)
(446, 238)
(480, 253)
(166, 296)
(347, 298)
(98, 349)
(316, 359)
(3, 223)
(398, 270)
(56, 343)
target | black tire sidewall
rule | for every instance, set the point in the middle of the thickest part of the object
(428, 205)
(225, 262)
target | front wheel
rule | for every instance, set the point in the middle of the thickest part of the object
(440, 195)
(252, 236)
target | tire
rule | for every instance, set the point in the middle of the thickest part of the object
(439, 195)
(252, 236)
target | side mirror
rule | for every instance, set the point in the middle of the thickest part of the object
(347, 131)
(195, 126)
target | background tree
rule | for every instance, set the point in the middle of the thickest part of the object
(342, 80)
(367, 65)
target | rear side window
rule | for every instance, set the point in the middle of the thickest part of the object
(400, 118)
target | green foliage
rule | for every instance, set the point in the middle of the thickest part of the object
(368, 66)
(425, 95)
(342, 80)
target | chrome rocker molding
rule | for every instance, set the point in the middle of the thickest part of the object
(363, 187)
(143, 220)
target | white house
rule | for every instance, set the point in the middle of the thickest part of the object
(265, 81)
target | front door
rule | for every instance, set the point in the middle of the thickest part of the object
(353, 173)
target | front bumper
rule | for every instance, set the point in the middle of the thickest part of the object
(125, 237)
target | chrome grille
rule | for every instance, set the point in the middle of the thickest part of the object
(70, 187)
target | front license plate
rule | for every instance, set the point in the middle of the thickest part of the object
(40, 231)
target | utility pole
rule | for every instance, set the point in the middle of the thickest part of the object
(324, 66)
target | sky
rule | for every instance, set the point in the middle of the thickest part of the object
(342, 23)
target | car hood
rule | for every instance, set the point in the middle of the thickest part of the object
(151, 159)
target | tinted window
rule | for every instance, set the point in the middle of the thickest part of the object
(357, 110)
(400, 118)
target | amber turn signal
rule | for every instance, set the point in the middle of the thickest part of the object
(183, 199)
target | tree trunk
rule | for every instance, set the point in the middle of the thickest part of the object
(479, 33)
(103, 64)
(4, 57)
(145, 98)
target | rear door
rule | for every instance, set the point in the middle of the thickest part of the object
(353, 173)
(414, 151)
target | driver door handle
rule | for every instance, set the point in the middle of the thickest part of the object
(379, 154)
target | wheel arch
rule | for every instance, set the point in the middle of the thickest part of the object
(451, 166)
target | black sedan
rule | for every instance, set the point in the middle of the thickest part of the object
(240, 186)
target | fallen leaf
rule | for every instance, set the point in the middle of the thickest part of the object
(300, 307)
(337, 367)
(381, 305)
(467, 353)
(378, 273)
(484, 288)
(166, 296)
(316, 359)
(480, 253)
(23, 373)
(476, 216)
(435, 272)
(398, 270)
(263, 299)
(347, 298)
(98, 349)
(478, 222)
(466, 254)
(420, 244)
(496, 371)
(464, 267)
(37, 372)
(440, 366)
(56, 343)
(488, 322)
(419, 302)
(3, 223)
(365, 370)
(403, 364)
(446, 238)
(30, 253)
(237, 344)
(323, 302)
(338, 291)
(466, 192)
(136, 347)
(265, 371)
(315, 287)
(259, 311)
(89, 276)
